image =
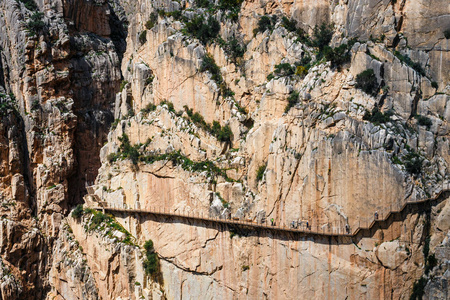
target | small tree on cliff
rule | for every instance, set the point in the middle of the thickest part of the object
(151, 262)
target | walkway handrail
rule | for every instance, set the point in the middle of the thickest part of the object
(324, 230)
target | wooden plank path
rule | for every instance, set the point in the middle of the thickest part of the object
(242, 223)
(324, 230)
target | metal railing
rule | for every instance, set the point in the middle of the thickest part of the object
(327, 229)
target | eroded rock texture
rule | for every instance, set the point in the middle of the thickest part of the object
(258, 122)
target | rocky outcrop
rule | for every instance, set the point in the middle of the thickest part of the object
(268, 127)
(70, 276)
(52, 79)
(325, 163)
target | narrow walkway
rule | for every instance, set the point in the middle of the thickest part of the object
(324, 230)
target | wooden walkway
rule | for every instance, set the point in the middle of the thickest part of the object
(324, 230)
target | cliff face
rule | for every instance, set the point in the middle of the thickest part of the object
(217, 118)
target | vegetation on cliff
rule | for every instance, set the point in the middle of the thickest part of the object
(98, 221)
(151, 261)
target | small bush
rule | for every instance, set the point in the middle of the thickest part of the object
(447, 34)
(413, 163)
(265, 23)
(234, 49)
(367, 82)
(301, 71)
(284, 69)
(260, 172)
(431, 263)
(418, 289)
(225, 134)
(149, 108)
(127, 151)
(151, 262)
(209, 64)
(203, 3)
(29, 4)
(292, 100)
(377, 117)
(198, 118)
(143, 37)
(35, 105)
(408, 61)
(203, 30)
(289, 24)
(245, 268)
(77, 212)
(36, 23)
(424, 121)
(170, 106)
(337, 56)
(123, 84)
(152, 20)
(322, 35)
(230, 4)
(304, 61)
(434, 84)
(176, 14)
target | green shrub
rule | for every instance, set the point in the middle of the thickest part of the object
(77, 212)
(322, 35)
(424, 121)
(151, 262)
(176, 14)
(377, 117)
(265, 23)
(337, 56)
(203, 3)
(149, 108)
(418, 289)
(123, 84)
(396, 160)
(292, 100)
(430, 263)
(170, 106)
(198, 118)
(216, 128)
(289, 24)
(245, 268)
(434, 84)
(225, 134)
(29, 4)
(413, 163)
(203, 30)
(127, 151)
(152, 20)
(304, 61)
(143, 37)
(234, 49)
(36, 23)
(100, 221)
(284, 69)
(209, 64)
(447, 34)
(260, 172)
(230, 4)
(367, 82)
(408, 61)
(426, 248)
(35, 105)
(148, 246)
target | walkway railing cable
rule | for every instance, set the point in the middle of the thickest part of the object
(324, 230)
